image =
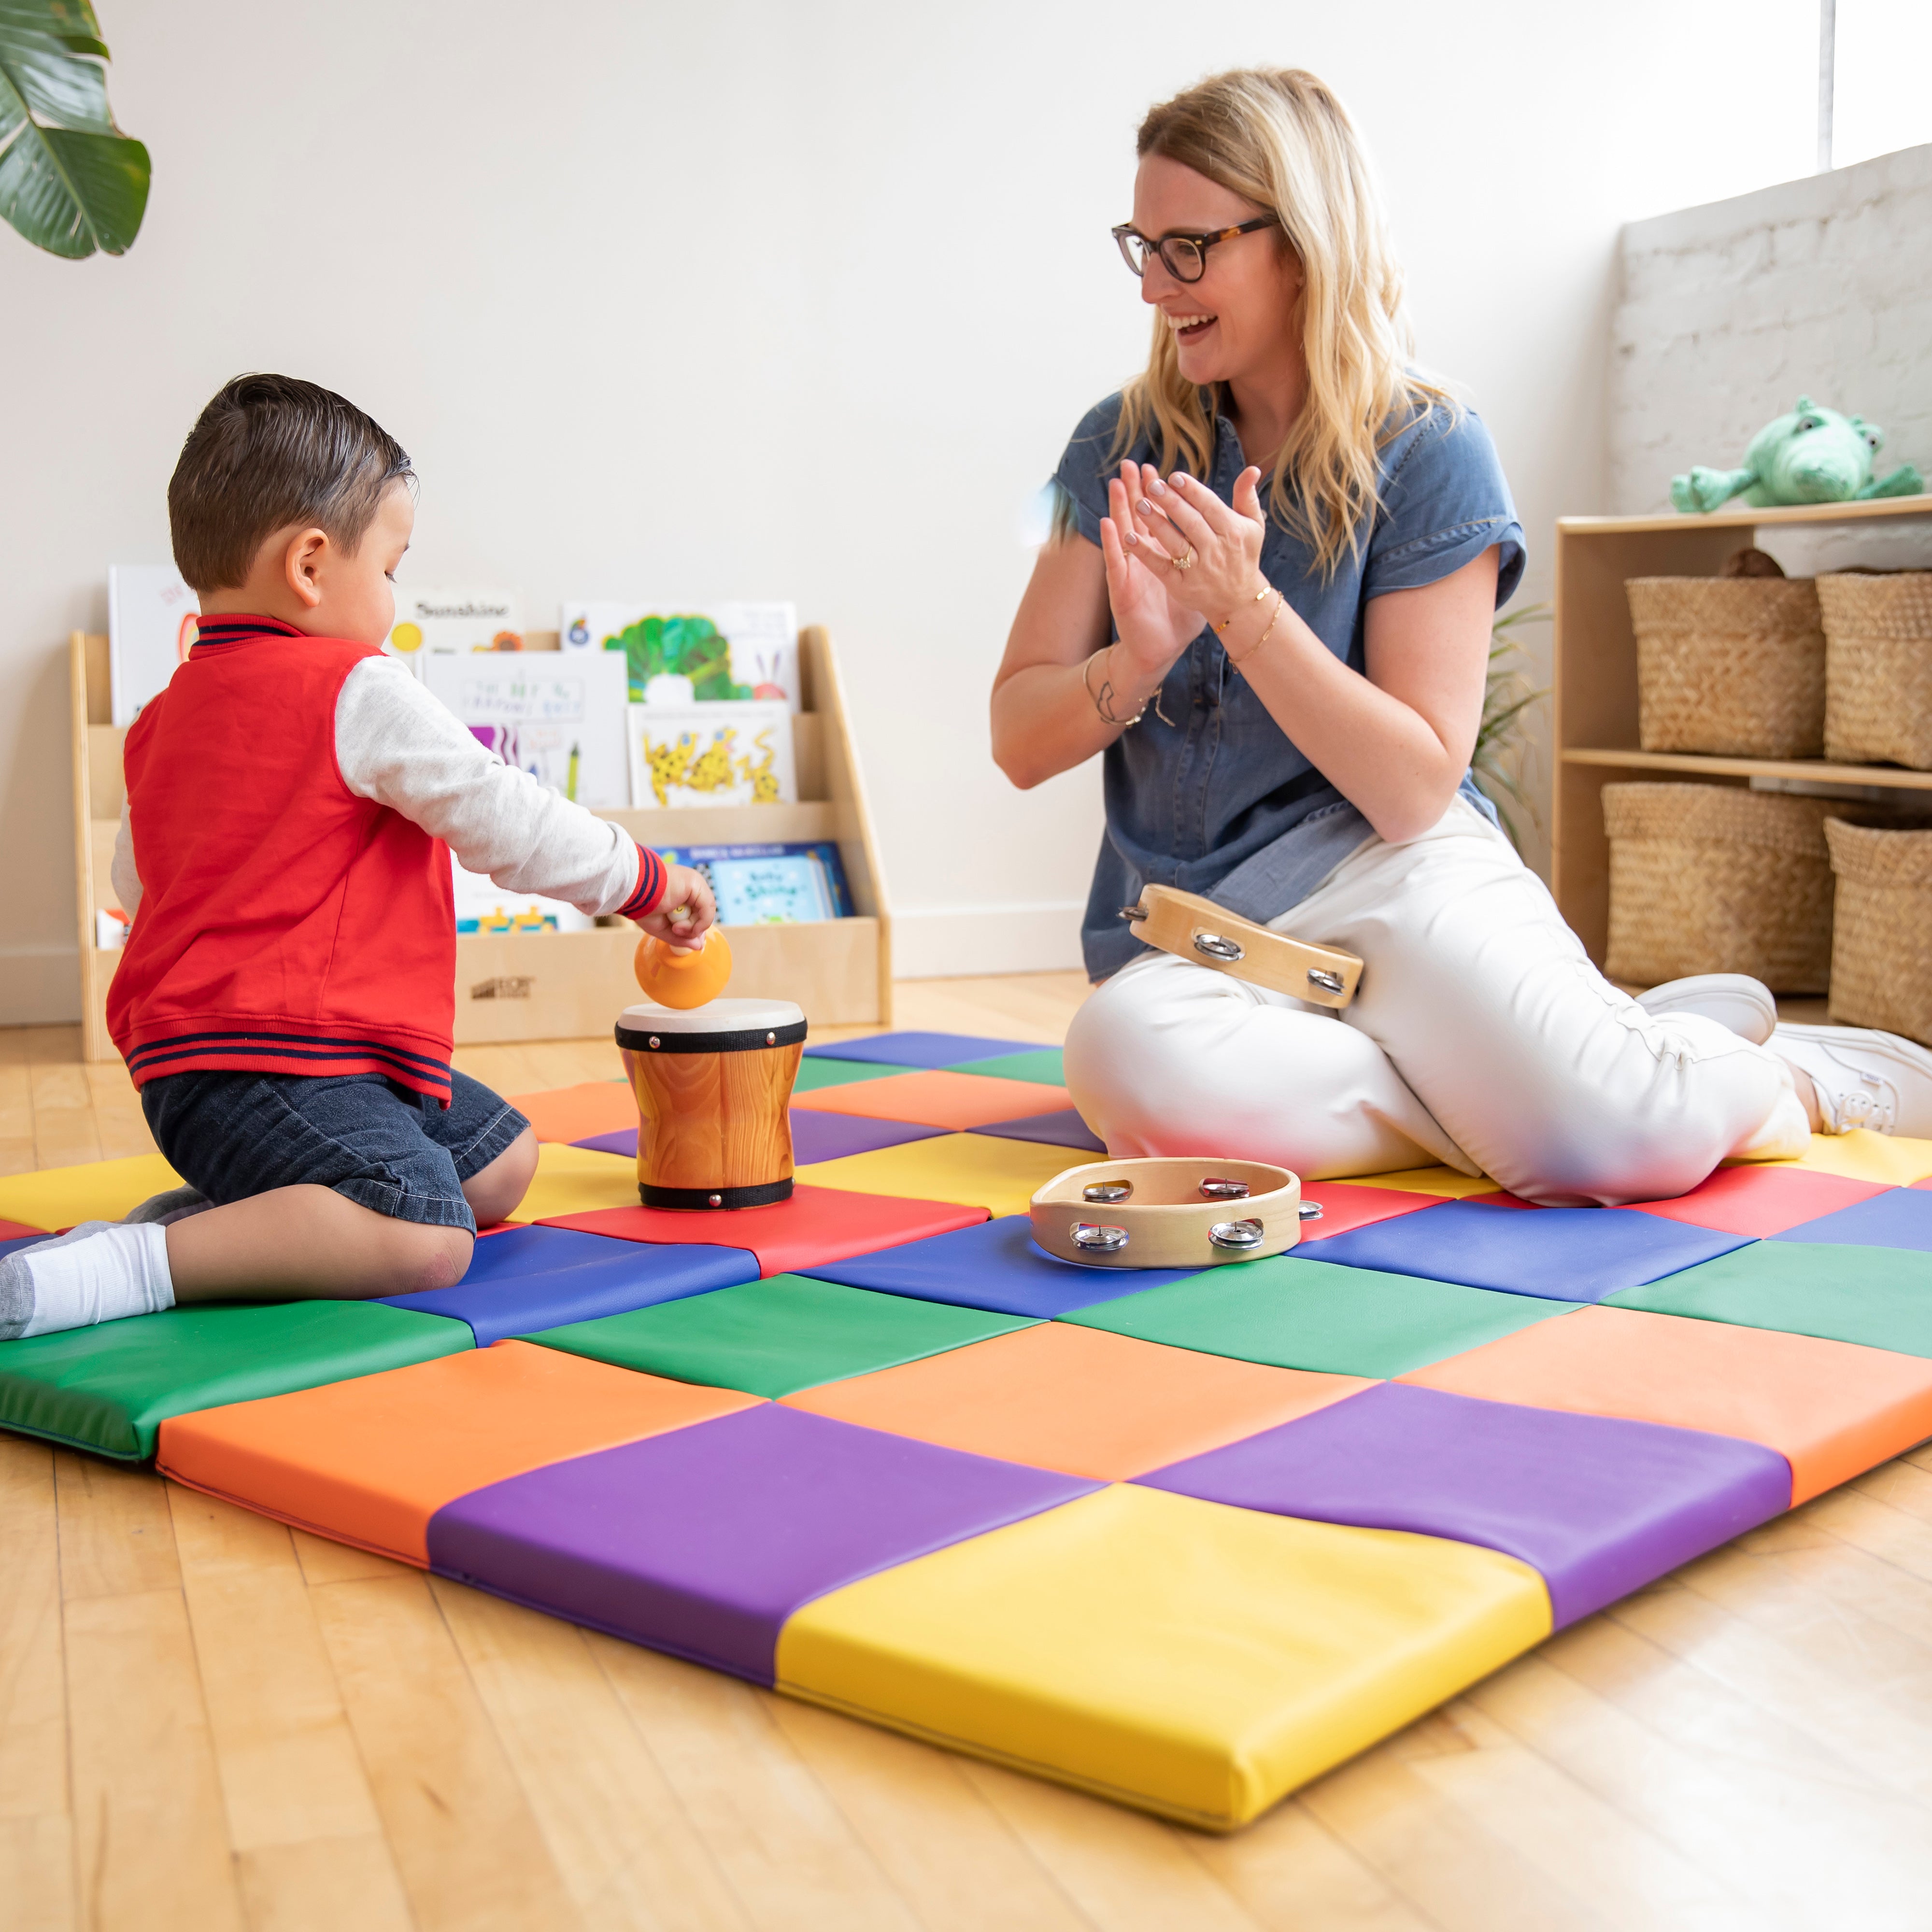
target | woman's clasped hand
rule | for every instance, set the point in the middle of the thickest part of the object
(1178, 558)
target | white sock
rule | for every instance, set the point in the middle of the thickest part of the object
(99, 1271)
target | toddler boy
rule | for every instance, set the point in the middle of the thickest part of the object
(285, 1002)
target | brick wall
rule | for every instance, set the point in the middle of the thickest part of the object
(1728, 312)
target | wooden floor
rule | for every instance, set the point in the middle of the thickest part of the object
(209, 1721)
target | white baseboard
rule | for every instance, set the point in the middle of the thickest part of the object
(951, 942)
(40, 986)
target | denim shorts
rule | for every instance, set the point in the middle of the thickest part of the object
(231, 1136)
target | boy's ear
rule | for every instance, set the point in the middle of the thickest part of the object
(301, 564)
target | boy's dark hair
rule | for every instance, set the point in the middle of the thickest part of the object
(268, 452)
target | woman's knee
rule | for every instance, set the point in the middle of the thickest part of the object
(494, 1191)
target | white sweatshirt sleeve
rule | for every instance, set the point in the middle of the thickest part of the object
(122, 874)
(396, 745)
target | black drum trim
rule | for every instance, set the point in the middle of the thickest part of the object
(749, 1040)
(763, 1195)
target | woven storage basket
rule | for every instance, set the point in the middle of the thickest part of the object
(1882, 935)
(1729, 664)
(1878, 666)
(1708, 878)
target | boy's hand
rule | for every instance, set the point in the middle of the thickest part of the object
(685, 912)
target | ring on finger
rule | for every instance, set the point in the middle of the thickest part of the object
(1183, 562)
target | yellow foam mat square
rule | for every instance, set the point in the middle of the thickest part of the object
(1443, 1181)
(977, 1170)
(102, 1190)
(576, 1180)
(1861, 1155)
(1195, 1660)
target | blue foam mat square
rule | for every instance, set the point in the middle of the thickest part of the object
(995, 1265)
(527, 1279)
(816, 1135)
(1900, 1219)
(920, 1049)
(1559, 1254)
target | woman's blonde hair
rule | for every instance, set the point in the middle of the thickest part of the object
(1279, 138)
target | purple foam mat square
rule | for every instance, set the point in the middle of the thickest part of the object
(1559, 1254)
(528, 1279)
(922, 1049)
(815, 1135)
(1065, 1129)
(1901, 1219)
(1601, 1507)
(703, 1541)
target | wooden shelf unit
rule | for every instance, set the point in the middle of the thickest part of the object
(572, 985)
(1595, 695)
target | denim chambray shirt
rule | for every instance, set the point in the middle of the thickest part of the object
(1219, 802)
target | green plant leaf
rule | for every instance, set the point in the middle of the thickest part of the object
(70, 181)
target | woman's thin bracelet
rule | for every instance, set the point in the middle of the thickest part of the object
(1103, 700)
(1280, 598)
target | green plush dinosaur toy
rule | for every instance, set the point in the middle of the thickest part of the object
(1814, 455)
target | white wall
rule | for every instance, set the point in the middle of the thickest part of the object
(786, 299)
(1729, 312)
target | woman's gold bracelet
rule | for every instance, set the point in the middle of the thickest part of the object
(1280, 598)
(1255, 599)
(1105, 697)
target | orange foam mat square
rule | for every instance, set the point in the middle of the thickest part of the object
(370, 1461)
(575, 1113)
(939, 1098)
(1831, 1409)
(1079, 1400)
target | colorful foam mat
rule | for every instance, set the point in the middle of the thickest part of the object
(1184, 1538)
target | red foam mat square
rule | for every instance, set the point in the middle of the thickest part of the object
(816, 1225)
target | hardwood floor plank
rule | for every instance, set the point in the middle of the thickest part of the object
(948, 1853)
(1290, 1873)
(116, 1537)
(1127, 1872)
(287, 1761)
(328, 1884)
(151, 1843)
(627, 1852)
(782, 1845)
(466, 1844)
(323, 1562)
(37, 1868)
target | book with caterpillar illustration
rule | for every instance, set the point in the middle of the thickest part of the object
(717, 653)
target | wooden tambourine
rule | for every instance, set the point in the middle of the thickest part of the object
(1194, 928)
(1169, 1214)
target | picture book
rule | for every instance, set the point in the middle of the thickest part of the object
(453, 622)
(720, 653)
(712, 754)
(561, 720)
(150, 614)
(483, 906)
(771, 885)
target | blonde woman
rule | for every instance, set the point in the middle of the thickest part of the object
(1268, 608)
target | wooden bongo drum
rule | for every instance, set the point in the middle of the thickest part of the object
(713, 1086)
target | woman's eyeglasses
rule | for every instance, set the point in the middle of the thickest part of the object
(1184, 256)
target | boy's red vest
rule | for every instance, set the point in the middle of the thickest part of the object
(286, 925)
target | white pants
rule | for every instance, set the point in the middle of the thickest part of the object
(1482, 1037)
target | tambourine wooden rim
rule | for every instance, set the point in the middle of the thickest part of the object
(1167, 1218)
(1197, 930)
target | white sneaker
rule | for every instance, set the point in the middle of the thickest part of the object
(1731, 999)
(1864, 1079)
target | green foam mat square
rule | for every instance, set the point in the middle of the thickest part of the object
(1879, 1296)
(110, 1388)
(1317, 1315)
(1043, 1065)
(816, 1072)
(773, 1337)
